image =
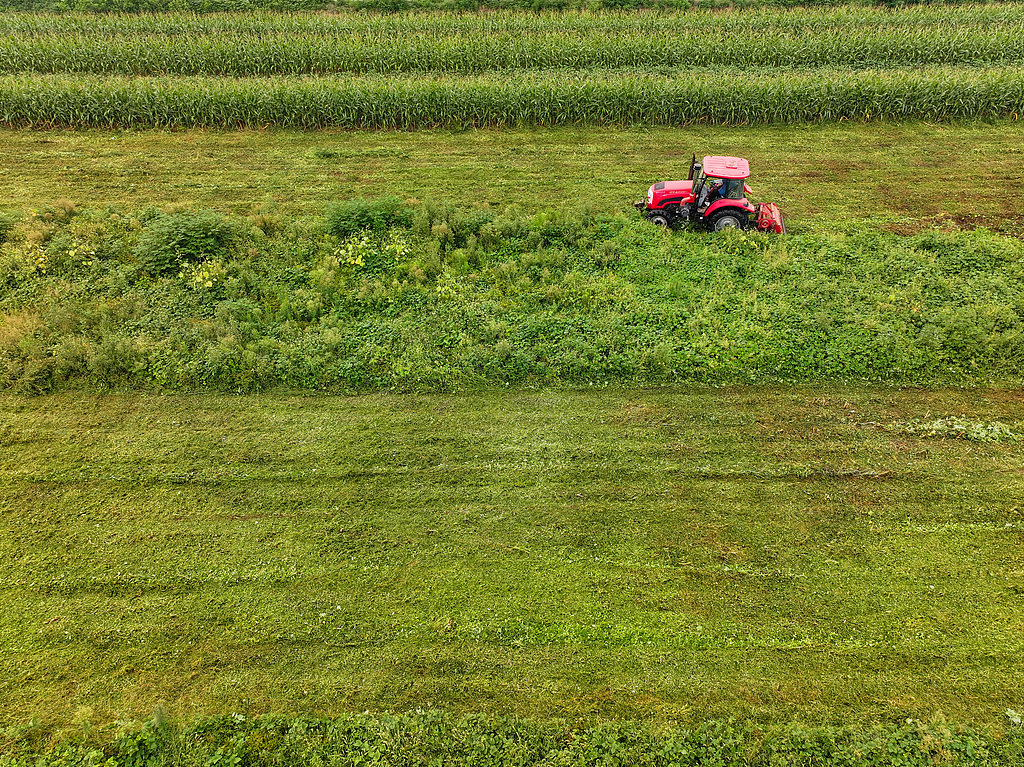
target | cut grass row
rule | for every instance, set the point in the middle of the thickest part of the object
(823, 176)
(523, 98)
(431, 737)
(661, 555)
(389, 7)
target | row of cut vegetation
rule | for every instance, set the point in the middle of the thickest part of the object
(398, 6)
(431, 737)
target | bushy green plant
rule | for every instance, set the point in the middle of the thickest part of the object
(173, 240)
(509, 227)
(451, 226)
(347, 218)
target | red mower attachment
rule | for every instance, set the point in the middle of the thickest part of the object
(769, 218)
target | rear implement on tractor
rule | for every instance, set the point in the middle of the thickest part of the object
(714, 197)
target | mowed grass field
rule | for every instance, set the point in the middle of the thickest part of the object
(903, 175)
(775, 555)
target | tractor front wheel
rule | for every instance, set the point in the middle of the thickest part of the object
(659, 220)
(725, 219)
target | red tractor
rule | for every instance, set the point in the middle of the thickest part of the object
(713, 197)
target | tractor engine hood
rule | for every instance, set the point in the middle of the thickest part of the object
(666, 192)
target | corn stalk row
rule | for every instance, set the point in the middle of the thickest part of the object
(578, 23)
(522, 99)
(241, 56)
(297, 45)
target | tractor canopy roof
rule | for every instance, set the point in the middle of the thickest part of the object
(726, 167)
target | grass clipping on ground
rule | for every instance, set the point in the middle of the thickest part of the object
(660, 555)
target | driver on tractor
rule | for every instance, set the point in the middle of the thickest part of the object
(716, 189)
(724, 189)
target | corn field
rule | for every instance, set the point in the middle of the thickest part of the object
(298, 45)
(439, 23)
(511, 69)
(524, 99)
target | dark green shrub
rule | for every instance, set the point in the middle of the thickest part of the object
(172, 240)
(111, 362)
(360, 214)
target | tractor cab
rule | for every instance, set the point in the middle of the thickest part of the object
(720, 178)
(714, 197)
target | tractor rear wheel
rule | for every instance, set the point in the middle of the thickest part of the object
(725, 219)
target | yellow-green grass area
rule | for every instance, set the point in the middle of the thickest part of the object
(903, 176)
(821, 555)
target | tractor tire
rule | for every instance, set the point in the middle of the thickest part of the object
(726, 219)
(659, 219)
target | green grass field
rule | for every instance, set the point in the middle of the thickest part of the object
(666, 555)
(777, 555)
(516, 520)
(523, 263)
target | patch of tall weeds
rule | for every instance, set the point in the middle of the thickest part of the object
(438, 297)
(350, 217)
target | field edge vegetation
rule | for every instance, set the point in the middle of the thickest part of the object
(382, 294)
(434, 737)
(396, 7)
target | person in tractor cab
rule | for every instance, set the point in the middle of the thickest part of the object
(712, 191)
(730, 188)
(725, 189)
